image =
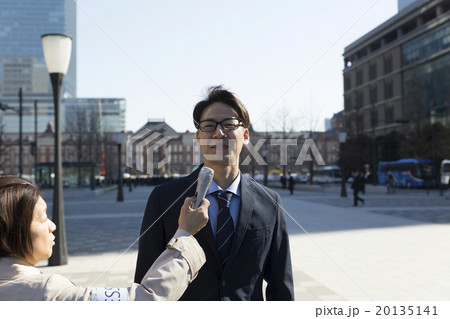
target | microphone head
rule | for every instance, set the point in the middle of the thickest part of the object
(206, 174)
(205, 178)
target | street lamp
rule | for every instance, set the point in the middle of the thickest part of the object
(20, 134)
(374, 156)
(119, 137)
(35, 142)
(433, 146)
(57, 49)
(342, 138)
(264, 155)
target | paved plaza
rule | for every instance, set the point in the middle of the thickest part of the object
(395, 247)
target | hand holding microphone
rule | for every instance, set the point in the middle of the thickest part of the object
(205, 178)
(194, 213)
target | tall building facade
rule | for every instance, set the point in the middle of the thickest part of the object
(21, 58)
(108, 113)
(41, 116)
(399, 70)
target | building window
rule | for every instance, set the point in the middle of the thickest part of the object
(359, 77)
(359, 99)
(348, 103)
(426, 45)
(388, 89)
(360, 120)
(347, 83)
(373, 94)
(373, 71)
(389, 114)
(387, 64)
(374, 118)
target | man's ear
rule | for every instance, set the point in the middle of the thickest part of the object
(246, 137)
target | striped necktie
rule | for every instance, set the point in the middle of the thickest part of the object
(225, 225)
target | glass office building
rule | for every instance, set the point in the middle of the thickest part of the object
(108, 114)
(22, 22)
(399, 70)
(427, 69)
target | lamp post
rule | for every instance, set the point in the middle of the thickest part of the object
(433, 147)
(264, 154)
(20, 134)
(342, 138)
(119, 137)
(35, 142)
(57, 49)
(374, 156)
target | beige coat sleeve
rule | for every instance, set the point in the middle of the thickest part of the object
(167, 279)
(171, 273)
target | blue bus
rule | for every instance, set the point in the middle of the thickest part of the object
(408, 173)
(327, 174)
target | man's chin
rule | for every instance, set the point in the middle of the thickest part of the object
(225, 160)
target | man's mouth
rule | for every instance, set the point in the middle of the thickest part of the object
(219, 146)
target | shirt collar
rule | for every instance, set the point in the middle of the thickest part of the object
(233, 188)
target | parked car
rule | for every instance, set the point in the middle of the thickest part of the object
(302, 178)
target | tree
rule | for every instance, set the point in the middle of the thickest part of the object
(84, 131)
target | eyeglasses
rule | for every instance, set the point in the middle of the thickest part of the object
(229, 124)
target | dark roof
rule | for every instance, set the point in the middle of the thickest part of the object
(160, 126)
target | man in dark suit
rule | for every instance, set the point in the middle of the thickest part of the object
(245, 241)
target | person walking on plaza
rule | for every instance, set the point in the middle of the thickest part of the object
(26, 237)
(357, 186)
(246, 240)
(390, 183)
(291, 183)
(283, 181)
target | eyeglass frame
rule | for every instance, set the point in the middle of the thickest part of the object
(217, 123)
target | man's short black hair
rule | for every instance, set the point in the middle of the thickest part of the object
(219, 94)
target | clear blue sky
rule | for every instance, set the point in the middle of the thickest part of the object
(279, 57)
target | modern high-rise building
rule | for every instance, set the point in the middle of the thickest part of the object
(21, 58)
(399, 71)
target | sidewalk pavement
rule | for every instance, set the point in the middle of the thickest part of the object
(393, 248)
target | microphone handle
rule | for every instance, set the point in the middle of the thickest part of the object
(201, 193)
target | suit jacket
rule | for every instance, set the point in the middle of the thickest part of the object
(260, 249)
(167, 279)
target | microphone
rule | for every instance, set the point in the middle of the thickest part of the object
(205, 178)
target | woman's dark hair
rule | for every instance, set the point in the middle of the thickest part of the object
(17, 200)
(218, 94)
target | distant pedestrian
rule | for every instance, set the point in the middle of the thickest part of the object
(357, 186)
(283, 181)
(291, 183)
(447, 194)
(390, 183)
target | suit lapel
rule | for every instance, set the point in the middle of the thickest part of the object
(247, 200)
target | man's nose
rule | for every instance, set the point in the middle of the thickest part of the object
(219, 131)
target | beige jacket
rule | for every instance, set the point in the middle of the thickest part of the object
(167, 278)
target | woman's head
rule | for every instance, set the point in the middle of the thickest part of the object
(25, 231)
